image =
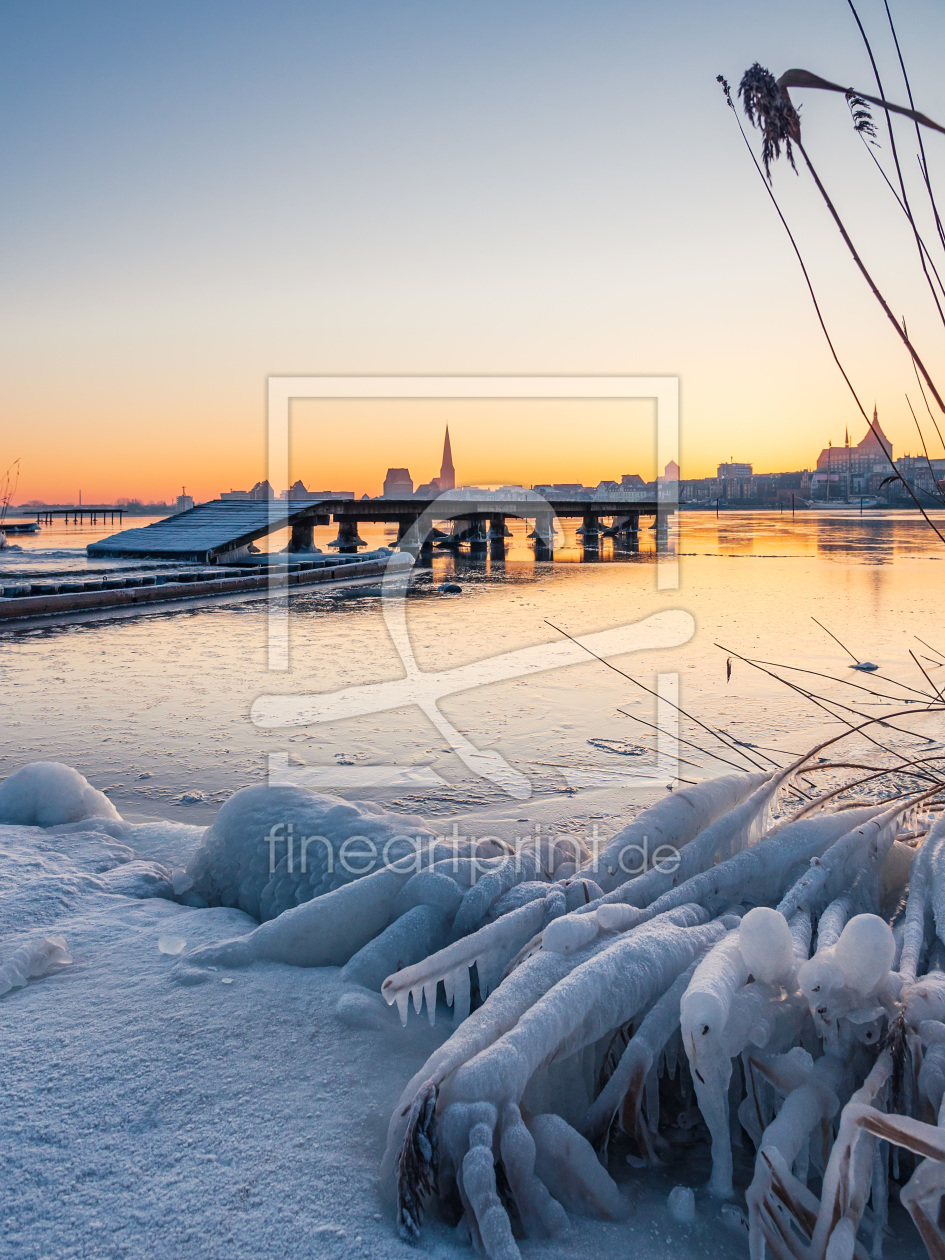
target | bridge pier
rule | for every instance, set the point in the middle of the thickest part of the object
(477, 535)
(624, 523)
(589, 532)
(408, 535)
(626, 530)
(498, 532)
(348, 539)
(661, 526)
(467, 529)
(303, 538)
(590, 529)
(543, 536)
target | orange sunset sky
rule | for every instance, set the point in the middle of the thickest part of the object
(199, 197)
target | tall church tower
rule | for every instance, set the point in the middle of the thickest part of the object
(447, 477)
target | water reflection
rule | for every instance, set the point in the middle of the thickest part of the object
(173, 706)
(848, 536)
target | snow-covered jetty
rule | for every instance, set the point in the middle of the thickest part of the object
(223, 529)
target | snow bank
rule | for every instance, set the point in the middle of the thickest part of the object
(272, 848)
(48, 794)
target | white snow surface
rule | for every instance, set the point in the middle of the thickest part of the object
(239, 1118)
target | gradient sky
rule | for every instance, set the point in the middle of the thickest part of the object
(199, 195)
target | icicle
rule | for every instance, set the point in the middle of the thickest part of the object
(429, 995)
(506, 935)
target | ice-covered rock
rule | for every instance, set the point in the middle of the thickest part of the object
(48, 794)
(270, 849)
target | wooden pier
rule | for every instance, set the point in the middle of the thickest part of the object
(78, 515)
(222, 531)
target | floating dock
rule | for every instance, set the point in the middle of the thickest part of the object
(19, 527)
(77, 594)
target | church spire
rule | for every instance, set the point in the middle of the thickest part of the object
(447, 477)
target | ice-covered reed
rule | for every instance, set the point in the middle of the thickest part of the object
(767, 977)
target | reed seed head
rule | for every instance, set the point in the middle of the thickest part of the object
(769, 108)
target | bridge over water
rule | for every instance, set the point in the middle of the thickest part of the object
(223, 530)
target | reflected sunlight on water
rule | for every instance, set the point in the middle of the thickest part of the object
(156, 705)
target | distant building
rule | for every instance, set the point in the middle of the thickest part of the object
(733, 470)
(512, 492)
(925, 476)
(398, 484)
(758, 490)
(847, 472)
(447, 477)
(632, 481)
(261, 490)
(185, 501)
(298, 491)
(667, 486)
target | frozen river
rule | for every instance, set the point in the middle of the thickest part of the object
(155, 707)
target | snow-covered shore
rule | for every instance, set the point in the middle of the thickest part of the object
(162, 1109)
(242, 1117)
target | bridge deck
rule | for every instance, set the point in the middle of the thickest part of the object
(211, 529)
